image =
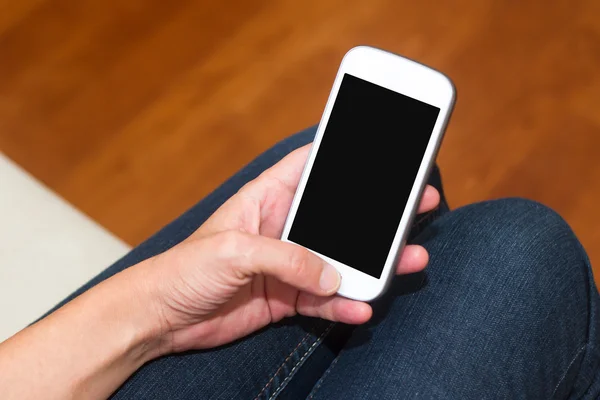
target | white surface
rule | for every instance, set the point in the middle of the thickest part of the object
(411, 79)
(47, 249)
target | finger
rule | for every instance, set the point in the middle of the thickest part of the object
(289, 169)
(249, 255)
(414, 258)
(430, 199)
(286, 173)
(337, 309)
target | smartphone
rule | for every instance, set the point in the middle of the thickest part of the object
(368, 165)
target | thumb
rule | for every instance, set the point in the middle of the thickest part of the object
(250, 255)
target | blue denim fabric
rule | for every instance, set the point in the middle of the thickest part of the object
(507, 309)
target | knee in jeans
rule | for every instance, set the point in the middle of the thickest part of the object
(514, 248)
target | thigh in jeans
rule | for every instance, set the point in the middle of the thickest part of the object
(507, 309)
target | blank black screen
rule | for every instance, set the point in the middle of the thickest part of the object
(362, 175)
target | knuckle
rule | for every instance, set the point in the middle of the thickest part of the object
(229, 243)
(232, 249)
(248, 187)
(299, 262)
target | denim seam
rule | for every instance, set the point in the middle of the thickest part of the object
(588, 391)
(589, 345)
(301, 361)
(581, 349)
(316, 388)
(282, 364)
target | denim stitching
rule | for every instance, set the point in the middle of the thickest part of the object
(301, 361)
(316, 388)
(428, 216)
(588, 391)
(567, 370)
(281, 366)
(320, 382)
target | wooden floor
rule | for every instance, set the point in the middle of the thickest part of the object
(133, 110)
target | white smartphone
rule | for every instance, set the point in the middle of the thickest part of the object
(368, 165)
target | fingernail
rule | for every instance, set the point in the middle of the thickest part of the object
(330, 279)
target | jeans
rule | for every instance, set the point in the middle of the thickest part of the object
(507, 309)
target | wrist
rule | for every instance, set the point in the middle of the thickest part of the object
(88, 347)
(140, 305)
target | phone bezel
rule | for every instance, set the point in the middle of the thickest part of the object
(409, 78)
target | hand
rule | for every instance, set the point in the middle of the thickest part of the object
(233, 276)
(228, 279)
